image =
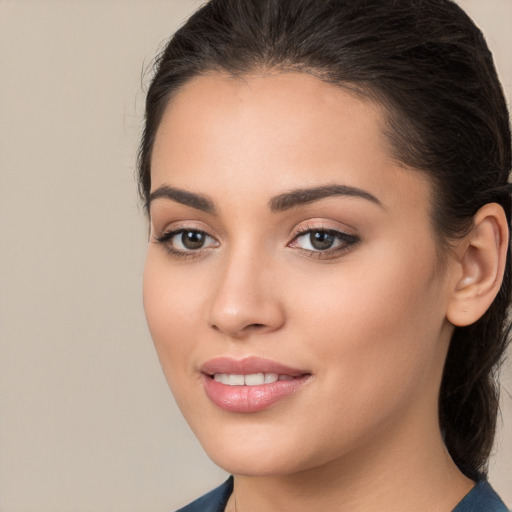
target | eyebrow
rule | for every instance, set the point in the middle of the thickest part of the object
(303, 196)
(197, 201)
(278, 203)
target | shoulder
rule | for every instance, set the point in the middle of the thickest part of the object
(214, 501)
(482, 498)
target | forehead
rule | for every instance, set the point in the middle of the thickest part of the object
(277, 131)
(266, 105)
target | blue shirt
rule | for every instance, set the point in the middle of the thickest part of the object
(481, 498)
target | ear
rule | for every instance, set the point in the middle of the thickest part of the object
(481, 257)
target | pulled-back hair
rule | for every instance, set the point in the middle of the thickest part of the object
(429, 66)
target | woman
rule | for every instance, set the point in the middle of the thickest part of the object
(328, 274)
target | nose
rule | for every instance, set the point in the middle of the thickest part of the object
(245, 300)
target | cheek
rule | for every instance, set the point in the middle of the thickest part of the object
(375, 345)
(172, 307)
(376, 319)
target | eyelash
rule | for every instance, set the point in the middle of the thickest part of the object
(166, 237)
(347, 241)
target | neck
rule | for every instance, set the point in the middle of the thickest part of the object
(387, 474)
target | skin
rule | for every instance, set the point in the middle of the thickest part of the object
(368, 321)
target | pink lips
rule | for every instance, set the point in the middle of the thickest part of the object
(243, 398)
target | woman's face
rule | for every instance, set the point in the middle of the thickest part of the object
(292, 287)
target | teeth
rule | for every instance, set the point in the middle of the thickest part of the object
(271, 377)
(253, 379)
(235, 380)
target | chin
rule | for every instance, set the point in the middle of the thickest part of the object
(254, 465)
(266, 452)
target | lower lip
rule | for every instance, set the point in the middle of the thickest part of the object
(250, 398)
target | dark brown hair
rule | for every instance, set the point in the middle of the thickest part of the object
(429, 66)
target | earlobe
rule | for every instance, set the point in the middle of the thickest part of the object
(481, 264)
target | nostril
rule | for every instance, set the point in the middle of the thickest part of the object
(240, 315)
(249, 326)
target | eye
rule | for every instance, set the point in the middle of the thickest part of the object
(323, 240)
(185, 241)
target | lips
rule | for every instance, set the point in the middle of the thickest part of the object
(251, 379)
(251, 384)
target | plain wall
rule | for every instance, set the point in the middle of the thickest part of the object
(86, 420)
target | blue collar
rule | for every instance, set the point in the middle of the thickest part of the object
(481, 498)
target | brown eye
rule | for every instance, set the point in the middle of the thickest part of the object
(321, 240)
(193, 239)
(186, 241)
(328, 241)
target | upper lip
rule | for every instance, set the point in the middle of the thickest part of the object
(247, 366)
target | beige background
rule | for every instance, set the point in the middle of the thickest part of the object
(87, 422)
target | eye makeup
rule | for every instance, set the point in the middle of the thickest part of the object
(315, 241)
